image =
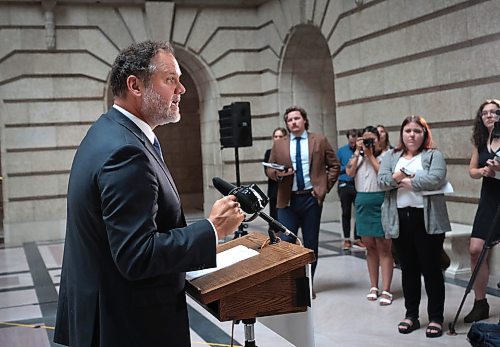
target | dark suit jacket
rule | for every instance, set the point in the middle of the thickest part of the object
(324, 167)
(127, 245)
(272, 186)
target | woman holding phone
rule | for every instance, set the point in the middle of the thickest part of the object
(415, 221)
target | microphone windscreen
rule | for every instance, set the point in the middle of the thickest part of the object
(222, 186)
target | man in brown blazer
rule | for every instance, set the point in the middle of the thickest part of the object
(311, 171)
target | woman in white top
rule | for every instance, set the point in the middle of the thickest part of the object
(416, 221)
(363, 166)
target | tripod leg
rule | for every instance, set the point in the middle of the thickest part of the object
(484, 251)
(492, 236)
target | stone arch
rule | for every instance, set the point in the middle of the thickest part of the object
(307, 79)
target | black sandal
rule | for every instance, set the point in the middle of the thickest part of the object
(406, 328)
(433, 330)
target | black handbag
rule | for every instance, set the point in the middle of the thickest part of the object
(484, 335)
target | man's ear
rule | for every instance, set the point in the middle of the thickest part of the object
(135, 85)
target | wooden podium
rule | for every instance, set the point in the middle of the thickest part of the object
(270, 283)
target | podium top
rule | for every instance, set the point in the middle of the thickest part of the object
(273, 260)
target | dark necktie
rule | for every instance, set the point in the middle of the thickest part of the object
(157, 147)
(298, 162)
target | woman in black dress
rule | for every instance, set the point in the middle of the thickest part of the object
(272, 186)
(484, 166)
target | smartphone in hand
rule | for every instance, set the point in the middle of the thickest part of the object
(406, 172)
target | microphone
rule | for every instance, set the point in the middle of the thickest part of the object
(252, 200)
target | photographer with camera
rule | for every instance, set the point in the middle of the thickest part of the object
(485, 165)
(363, 166)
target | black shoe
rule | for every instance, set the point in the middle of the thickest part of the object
(434, 331)
(480, 311)
(406, 328)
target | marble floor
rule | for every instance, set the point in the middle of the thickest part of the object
(29, 277)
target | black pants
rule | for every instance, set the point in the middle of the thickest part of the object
(347, 194)
(420, 254)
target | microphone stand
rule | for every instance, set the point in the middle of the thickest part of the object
(241, 229)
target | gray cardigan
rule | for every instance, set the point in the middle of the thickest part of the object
(432, 177)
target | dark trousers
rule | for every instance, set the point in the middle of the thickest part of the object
(304, 212)
(420, 254)
(347, 195)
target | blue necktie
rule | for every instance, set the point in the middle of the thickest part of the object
(298, 162)
(157, 147)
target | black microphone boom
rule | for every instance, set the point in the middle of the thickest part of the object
(252, 200)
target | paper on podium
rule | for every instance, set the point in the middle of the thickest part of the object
(224, 259)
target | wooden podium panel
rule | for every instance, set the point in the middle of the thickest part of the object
(273, 282)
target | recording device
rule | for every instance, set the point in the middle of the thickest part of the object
(496, 128)
(251, 198)
(252, 201)
(368, 142)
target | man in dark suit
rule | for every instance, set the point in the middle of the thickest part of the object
(127, 244)
(302, 188)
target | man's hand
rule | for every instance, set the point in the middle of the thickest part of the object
(287, 172)
(226, 216)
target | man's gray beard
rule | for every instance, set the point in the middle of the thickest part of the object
(156, 110)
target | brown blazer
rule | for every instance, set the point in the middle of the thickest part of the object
(324, 167)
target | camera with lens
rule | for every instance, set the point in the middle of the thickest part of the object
(368, 142)
(251, 198)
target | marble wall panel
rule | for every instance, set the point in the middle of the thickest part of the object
(70, 63)
(39, 185)
(52, 112)
(369, 20)
(134, 20)
(160, 17)
(19, 211)
(38, 161)
(341, 34)
(19, 14)
(248, 83)
(210, 19)
(478, 19)
(445, 105)
(183, 21)
(104, 17)
(333, 10)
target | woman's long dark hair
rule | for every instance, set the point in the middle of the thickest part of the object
(479, 131)
(426, 144)
(387, 144)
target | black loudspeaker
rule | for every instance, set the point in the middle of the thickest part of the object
(235, 125)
